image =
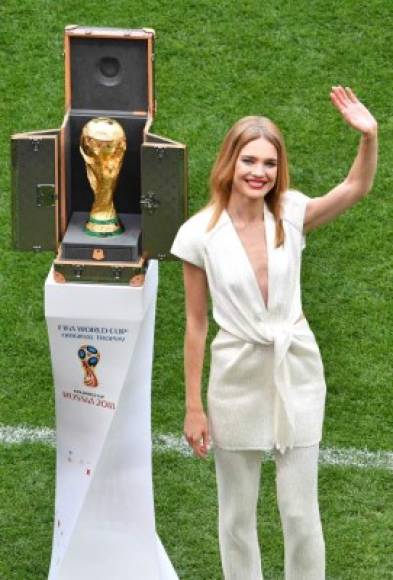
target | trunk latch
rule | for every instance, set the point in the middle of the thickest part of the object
(45, 195)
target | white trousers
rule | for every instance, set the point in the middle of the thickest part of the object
(238, 475)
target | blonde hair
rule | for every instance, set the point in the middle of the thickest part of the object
(245, 130)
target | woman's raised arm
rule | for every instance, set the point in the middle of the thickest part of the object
(357, 184)
(197, 323)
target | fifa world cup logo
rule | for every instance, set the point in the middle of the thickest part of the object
(102, 146)
(89, 357)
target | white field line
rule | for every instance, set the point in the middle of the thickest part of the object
(163, 443)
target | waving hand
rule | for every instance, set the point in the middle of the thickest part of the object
(353, 111)
(358, 182)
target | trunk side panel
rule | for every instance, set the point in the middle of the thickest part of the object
(164, 196)
(34, 177)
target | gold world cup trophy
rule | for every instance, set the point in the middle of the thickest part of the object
(102, 146)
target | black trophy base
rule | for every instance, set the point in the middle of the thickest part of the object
(124, 247)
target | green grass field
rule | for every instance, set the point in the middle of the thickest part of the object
(215, 62)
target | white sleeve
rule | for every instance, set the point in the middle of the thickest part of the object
(188, 244)
(294, 209)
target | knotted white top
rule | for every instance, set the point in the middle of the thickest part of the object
(281, 336)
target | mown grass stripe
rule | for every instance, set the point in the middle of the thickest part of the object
(349, 457)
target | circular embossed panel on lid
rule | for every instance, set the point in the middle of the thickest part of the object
(108, 71)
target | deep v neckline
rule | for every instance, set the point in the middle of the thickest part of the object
(248, 261)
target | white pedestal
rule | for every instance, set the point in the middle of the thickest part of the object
(104, 515)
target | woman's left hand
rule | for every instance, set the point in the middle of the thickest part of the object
(353, 111)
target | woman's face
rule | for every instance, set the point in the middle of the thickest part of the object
(256, 169)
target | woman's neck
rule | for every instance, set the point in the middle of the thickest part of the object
(245, 210)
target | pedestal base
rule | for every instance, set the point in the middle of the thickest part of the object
(125, 247)
(104, 516)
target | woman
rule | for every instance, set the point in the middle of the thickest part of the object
(266, 385)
